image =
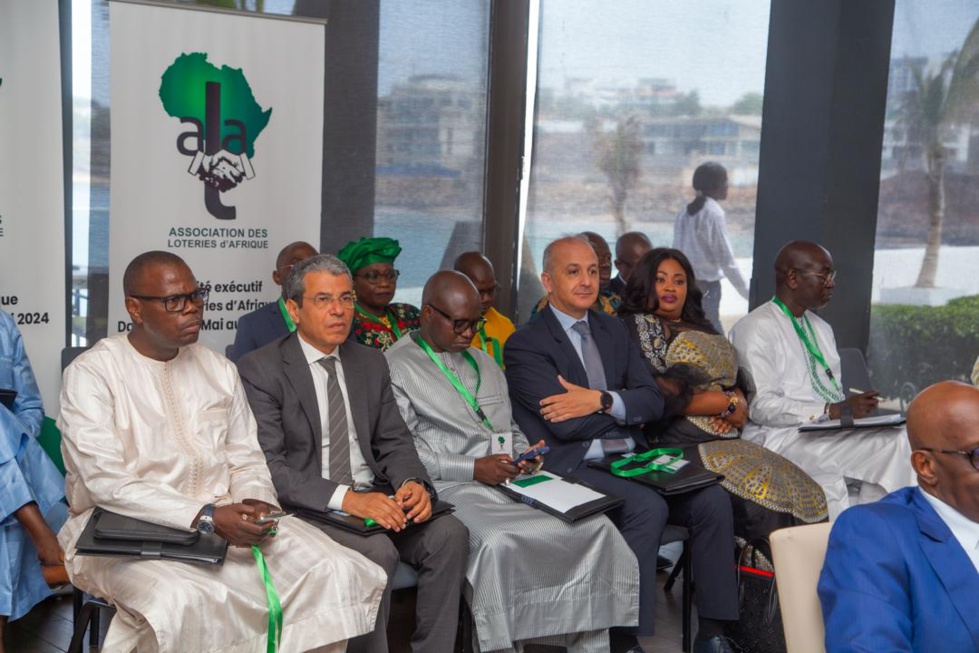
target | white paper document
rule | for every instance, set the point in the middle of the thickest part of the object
(553, 491)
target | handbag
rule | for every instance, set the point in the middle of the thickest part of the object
(759, 626)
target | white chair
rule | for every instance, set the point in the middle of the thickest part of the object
(798, 555)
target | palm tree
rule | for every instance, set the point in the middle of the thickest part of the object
(937, 102)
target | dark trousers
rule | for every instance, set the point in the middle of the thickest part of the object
(438, 551)
(712, 302)
(641, 520)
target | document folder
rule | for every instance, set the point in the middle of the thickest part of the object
(567, 498)
(686, 479)
(357, 525)
(111, 534)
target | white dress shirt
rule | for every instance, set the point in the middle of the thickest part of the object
(964, 529)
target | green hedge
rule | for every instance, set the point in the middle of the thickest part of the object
(922, 344)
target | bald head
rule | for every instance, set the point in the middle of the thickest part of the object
(604, 254)
(943, 417)
(445, 285)
(804, 276)
(480, 271)
(799, 254)
(290, 255)
(449, 298)
(142, 267)
(473, 264)
(629, 248)
(293, 253)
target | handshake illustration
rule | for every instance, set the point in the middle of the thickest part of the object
(223, 170)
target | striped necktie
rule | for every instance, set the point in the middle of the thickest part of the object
(339, 433)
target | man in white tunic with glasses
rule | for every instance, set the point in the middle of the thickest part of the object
(157, 427)
(790, 355)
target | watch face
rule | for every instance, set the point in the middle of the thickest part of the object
(205, 525)
(606, 401)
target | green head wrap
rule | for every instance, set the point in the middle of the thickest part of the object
(367, 251)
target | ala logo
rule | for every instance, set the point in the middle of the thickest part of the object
(218, 102)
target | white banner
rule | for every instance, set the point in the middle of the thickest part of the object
(32, 214)
(217, 132)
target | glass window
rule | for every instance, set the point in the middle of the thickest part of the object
(430, 132)
(924, 321)
(675, 85)
(431, 115)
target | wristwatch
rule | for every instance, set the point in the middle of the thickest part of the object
(205, 524)
(606, 402)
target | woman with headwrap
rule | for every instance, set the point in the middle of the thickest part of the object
(377, 321)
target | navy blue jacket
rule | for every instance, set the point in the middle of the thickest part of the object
(258, 328)
(540, 350)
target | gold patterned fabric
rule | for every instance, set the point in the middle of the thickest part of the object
(756, 474)
(716, 360)
(769, 491)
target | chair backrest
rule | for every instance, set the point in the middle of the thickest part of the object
(798, 555)
(854, 370)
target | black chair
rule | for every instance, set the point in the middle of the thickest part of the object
(854, 373)
(673, 533)
(86, 612)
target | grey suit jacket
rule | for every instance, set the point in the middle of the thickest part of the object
(280, 390)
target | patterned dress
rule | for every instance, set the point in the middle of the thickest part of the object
(767, 491)
(381, 333)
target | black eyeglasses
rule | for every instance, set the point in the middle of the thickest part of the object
(460, 326)
(177, 303)
(374, 277)
(824, 277)
(972, 455)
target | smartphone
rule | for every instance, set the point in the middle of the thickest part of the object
(271, 517)
(530, 454)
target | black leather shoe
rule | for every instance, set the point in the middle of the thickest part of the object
(716, 644)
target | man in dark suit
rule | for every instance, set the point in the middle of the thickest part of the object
(902, 574)
(268, 323)
(576, 378)
(330, 429)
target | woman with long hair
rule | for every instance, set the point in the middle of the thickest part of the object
(700, 231)
(697, 370)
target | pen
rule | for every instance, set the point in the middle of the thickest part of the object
(857, 391)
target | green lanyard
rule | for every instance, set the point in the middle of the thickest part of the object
(376, 320)
(677, 454)
(286, 316)
(454, 380)
(812, 346)
(483, 339)
(275, 607)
